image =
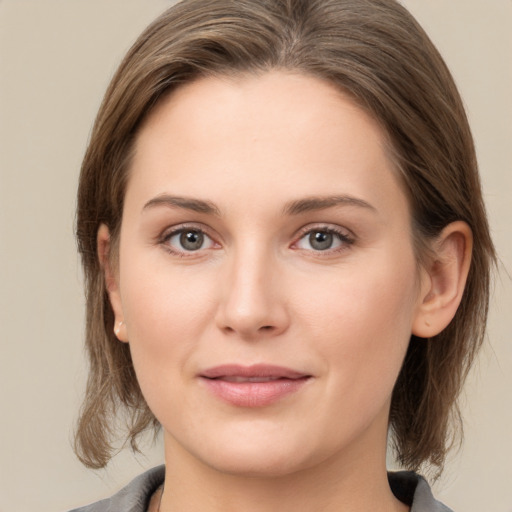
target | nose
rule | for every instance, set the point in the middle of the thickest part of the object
(253, 303)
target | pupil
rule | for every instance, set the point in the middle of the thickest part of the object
(191, 240)
(320, 240)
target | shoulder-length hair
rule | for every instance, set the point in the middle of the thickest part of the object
(376, 52)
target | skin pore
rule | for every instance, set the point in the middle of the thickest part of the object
(265, 225)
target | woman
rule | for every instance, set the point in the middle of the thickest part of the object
(286, 254)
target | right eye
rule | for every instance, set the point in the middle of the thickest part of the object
(187, 240)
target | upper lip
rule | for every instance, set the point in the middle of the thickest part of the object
(252, 371)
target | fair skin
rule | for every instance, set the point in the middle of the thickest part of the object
(264, 224)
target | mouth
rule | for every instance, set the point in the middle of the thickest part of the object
(253, 386)
(249, 379)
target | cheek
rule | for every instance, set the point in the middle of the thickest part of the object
(363, 326)
(166, 313)
(161, 300)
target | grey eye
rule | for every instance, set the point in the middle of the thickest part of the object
(188, 240)
(191, 240)
(321, 240)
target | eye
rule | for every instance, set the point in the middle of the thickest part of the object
(187, 240)
(324, 239)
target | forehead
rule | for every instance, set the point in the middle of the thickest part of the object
(252, 133)
(249, 99)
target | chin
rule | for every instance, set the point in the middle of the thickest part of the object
(259, 462)
(257, 449)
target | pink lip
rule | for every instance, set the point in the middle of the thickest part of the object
(252, 386)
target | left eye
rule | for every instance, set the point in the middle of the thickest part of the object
(189, 240)
(322, 240)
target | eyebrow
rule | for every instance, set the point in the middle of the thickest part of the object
(297, 207)
(186, 203)
(309, 204)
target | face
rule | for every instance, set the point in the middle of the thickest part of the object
(266, 282)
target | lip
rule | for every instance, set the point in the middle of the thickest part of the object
(253, 386)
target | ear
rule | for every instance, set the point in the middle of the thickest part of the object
(111, 281)
(444, 280)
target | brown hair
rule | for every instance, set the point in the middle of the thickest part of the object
(375, 51)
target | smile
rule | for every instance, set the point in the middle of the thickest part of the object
(250, 379)
(253, 386)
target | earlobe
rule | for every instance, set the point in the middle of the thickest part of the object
(111, 281)
(445, 279)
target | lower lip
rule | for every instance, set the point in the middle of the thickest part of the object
(254, 394)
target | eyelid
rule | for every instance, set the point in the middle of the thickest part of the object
(346, 236)
(171, 231)
(325, 226)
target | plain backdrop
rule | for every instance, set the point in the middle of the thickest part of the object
(56, 58)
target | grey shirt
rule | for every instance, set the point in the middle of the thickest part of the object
(408, 487)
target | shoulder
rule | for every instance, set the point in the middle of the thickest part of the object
(414, 490)
(132, 498)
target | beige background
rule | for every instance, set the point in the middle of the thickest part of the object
(56, 57)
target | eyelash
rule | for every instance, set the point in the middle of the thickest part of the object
(345, 239)
(184, 228)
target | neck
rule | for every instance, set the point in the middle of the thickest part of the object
(351, 486)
